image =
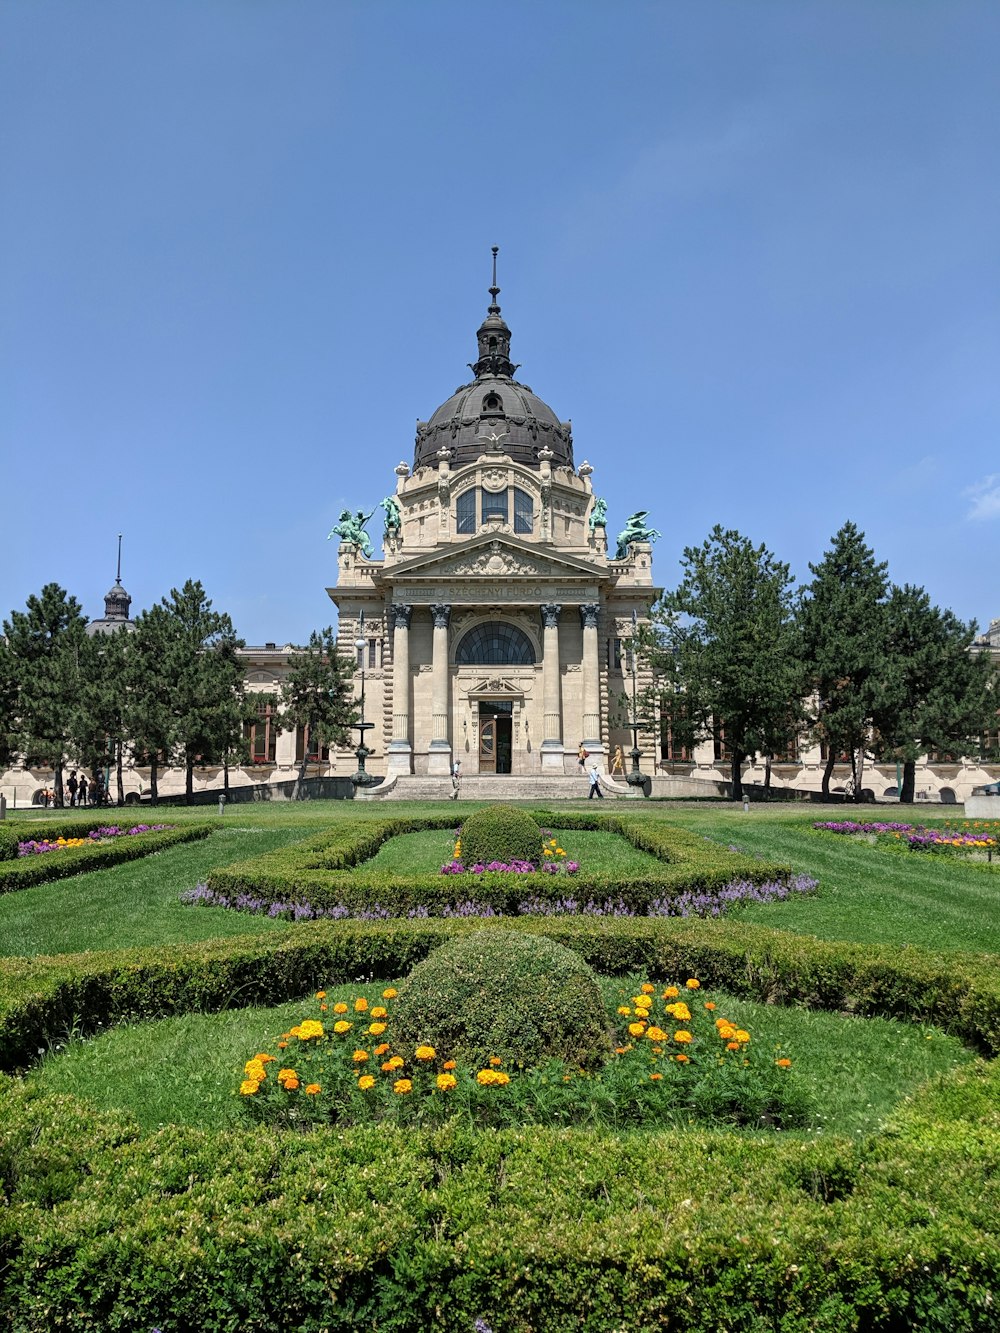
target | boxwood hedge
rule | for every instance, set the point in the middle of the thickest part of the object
(23, 872)
(329, 870)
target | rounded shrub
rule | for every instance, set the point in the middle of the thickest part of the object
(500, 833)
(524, 999)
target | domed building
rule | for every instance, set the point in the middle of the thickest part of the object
(493, 624)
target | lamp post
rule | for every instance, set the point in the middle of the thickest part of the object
(361, 778)
(635, 778)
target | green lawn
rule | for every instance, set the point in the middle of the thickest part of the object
(424, 853)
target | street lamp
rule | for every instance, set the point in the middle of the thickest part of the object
(635, 778)
(361, 778)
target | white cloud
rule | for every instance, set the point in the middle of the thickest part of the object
(985, 497)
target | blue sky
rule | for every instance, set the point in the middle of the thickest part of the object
(749, 248)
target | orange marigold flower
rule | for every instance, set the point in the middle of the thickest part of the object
(390, 994)
(282, 1045)
(682, 1059)
(671, 993)
(360, 1057)
(360, 1005)
(342, 1026)
(425, 1052)
(286, 1073)
(446, 1082)
(742, 1035)
(402, 1086)
(693, 983)
(784, 1062)
(379, 1011)
(376, 1029)
(323, 1008)
(646, 988)
(312, 1089)
(340, 1007)
(495, 1061)
(732, 1046)
(381, 1050)
(321, 995)
(636, 1029)
(622, 1050)
(656, 1034)
(682, 1035)
(291, 1084)
(709, 1005)
(449, 1064)
(655, 1078)
(248, 1087)
(366, 1082)
(394, 1062)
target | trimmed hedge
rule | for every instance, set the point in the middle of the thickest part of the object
(328, 870)
(500, 833)
(532, 1231)
(41, 999)
(25, 871)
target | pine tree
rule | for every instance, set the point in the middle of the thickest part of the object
(317, 692)
(149, 717)
(43, 659)
(842, 626)
(204, 675)
(98, 726)
(725, 641)
(935, 695)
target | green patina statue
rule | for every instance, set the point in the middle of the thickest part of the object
(635, 530)
(351, 528)
(393, 517)
(599, 513)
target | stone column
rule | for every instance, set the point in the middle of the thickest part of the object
(400, 749)
(439, 758)
(552, 743)
(589, 614)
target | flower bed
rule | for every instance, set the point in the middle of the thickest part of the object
(969, 837)
(671, 1062)
(104, 833)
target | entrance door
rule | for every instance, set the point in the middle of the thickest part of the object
(496, 736)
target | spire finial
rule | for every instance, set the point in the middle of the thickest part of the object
(118, 575)
(494, 290)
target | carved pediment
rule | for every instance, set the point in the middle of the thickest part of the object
(497, 557)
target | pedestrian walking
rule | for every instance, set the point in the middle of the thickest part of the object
(595, 783)
(82, 791)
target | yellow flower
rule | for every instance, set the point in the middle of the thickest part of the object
(366, 1082)
(741, 1035)
(390, 994)
(254, 1069)
(692, 983)
(286, 1073)
(624, 1009)
(360, 1057)
(425, 1052)
(656, 1034)
(671, 993)
(321, 995)
(446, 1082)
(682, 1035)
(312, 1089)
(646, 988)
(680, 1011)
(342, 1026)
(636, 1029)
(264, 1058)
(376, 1029)
(310, 1028)
(360, 1005)
(340, 1007)
(402, 1085)
(394, 1062)
(501, 1079)
(248, 1087)
(641, 1001)
(485, 1077)
(378, 1012)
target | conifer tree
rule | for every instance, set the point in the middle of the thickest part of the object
(842, 626)
(725, 641)
(935, 695)
(150, 720)
(99, 726)
(317, 692)
(43, 661)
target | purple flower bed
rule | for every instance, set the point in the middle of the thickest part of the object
(914, 835)
(852, 826)
(102, 834)
(704, 904)
(510, 868)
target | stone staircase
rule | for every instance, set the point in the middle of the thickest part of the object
(490, 787)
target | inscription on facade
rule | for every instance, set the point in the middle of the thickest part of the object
(495, 592)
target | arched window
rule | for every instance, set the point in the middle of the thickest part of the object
(495, 643)
(465, 512)
(522, 511)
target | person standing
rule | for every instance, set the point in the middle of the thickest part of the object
(595, 783)
(82, 796)
(581, 756)
(71, 787)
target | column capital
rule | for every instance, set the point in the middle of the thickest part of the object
(441, 615)
(550, 614)
(589, 613)
(400, 612)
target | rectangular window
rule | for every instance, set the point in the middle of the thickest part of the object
(465, 512)
(262, 735)
(522, 511)
(372, 652)
(306, 751)
(495, 505)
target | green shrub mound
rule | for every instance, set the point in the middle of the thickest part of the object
(494, 993)
(500, 833)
